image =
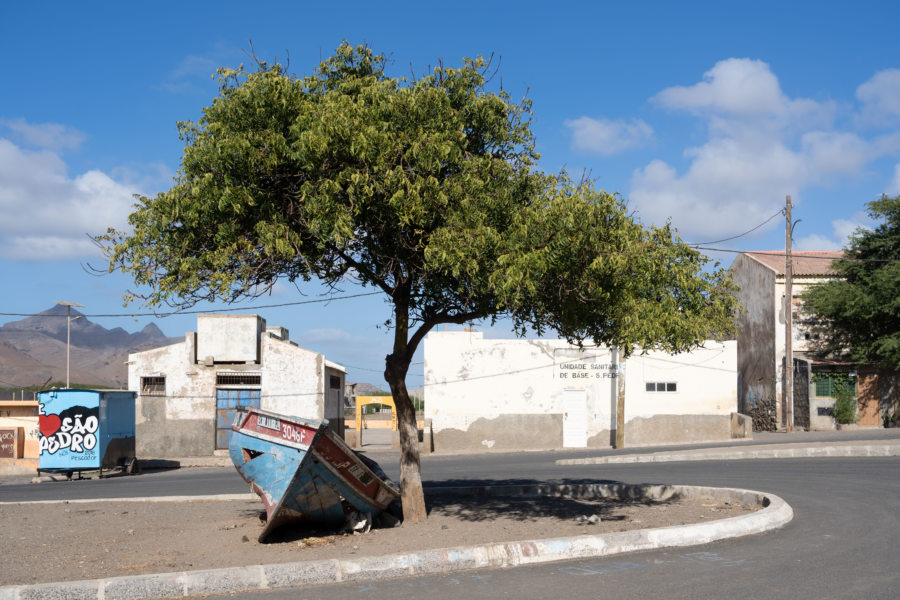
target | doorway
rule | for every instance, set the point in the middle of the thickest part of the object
(575, 416)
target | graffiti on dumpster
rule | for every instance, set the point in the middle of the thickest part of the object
(74, 429)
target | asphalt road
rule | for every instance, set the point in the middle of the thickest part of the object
(844, 541)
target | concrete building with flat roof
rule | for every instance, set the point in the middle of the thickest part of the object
(188, 393)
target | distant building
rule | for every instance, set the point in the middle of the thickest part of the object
(761, 346)
(517, 394)
(187, 393)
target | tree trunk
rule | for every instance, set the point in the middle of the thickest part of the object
(411, 492)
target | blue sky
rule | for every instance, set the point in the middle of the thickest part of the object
(708, 113)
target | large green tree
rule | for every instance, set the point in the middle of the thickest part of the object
(423, 189)
(857, 315)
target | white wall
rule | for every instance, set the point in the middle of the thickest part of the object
(292, 379)
(706, 381)
(229, 338)
(470, 379)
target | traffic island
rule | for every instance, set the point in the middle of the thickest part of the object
(430, 547)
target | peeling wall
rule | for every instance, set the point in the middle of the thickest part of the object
(181, 421)
(755, 332)
(502, 394)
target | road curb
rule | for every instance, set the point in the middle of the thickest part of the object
(775, 514)
(207, 498)
(866, 450)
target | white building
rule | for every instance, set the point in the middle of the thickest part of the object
(187, 393)
(513, 394)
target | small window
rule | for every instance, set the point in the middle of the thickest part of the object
(238, 378)
(153, 386)
(661, 386)
(334, 382)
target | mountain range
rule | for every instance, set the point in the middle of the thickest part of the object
(33, 350)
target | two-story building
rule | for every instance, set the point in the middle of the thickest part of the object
(761, 347)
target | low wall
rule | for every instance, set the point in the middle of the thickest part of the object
(160, 437)
(509, 433)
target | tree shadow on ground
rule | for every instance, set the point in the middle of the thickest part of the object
(485, 500)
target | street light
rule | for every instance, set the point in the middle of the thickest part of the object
(68, 306)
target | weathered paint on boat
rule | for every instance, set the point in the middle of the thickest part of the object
(303, 471)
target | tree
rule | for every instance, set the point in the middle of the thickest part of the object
(857, 316)
(426, 190)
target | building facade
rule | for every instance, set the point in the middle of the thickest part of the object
(187, 393)
(761, 348)
(513, 394)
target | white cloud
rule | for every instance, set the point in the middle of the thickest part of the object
(816, 243)
(738, 90)
(48, 215)
(894, 188)
(729, 186)
(841, 229)
(830, 153)
(606, 137)
(761, 146)
(736, 86)
(45, 135)
(880, 97)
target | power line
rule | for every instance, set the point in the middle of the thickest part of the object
(749, 231)
(843, 257)
(203, 311)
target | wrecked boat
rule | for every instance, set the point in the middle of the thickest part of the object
(303, 471)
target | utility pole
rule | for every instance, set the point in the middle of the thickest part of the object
(787, 394)
(620, 399)
(68, 306)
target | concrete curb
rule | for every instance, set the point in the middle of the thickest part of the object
(891, 449)
(209, 498)
(776, 513)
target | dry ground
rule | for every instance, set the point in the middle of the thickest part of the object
(71, 541)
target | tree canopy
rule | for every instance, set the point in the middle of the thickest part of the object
(425, 189)
(857, 316)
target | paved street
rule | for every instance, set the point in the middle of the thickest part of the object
(842, 542)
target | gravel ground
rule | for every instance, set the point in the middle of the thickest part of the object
(72, 541)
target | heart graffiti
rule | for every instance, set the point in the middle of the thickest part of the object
(48, 424)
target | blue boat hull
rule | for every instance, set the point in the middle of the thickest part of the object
(302, 471)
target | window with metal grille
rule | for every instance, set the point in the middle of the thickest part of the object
(238, 378)
(153, 386)
(830, 384)
(662, 386)
(334, 382)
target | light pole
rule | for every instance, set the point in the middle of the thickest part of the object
(68, 306)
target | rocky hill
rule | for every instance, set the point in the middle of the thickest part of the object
(33, 350)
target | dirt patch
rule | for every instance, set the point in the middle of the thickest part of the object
(72, 541)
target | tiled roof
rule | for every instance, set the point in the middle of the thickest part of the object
(804, 263)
